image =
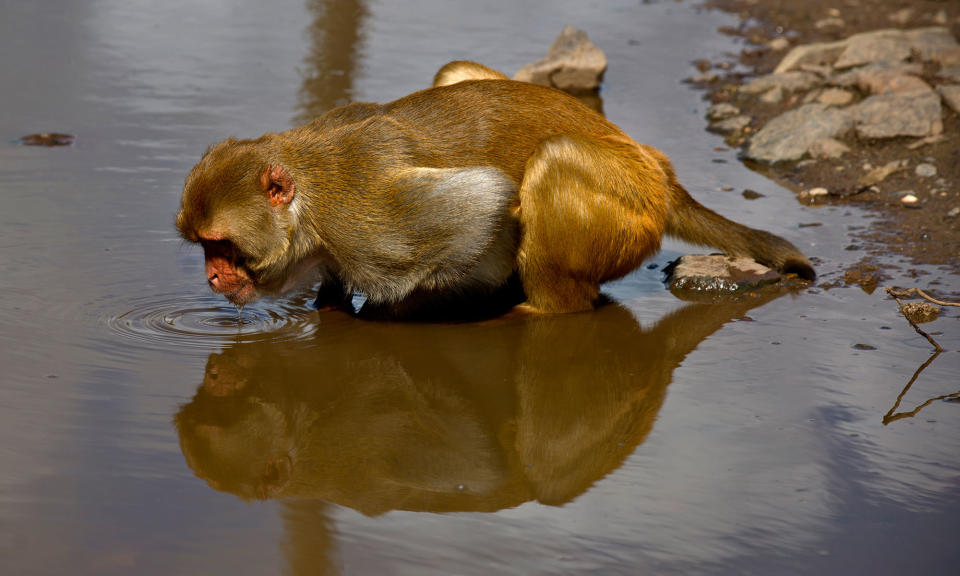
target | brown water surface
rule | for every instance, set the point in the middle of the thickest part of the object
(149, 427)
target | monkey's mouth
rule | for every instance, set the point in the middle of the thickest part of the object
(245, 294)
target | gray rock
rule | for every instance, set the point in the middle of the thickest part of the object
(835, 97)
(721, 111)
(951, 97)
(734, 124)
(954, 212)
(779, 43)
(829, 22)
(773, 95)
(816, 53)
(572, 64)
(950, 73)
(882, 78)
(828, 148)
(925, 170)
(935, 43)
(892, 115)
(789, 81)
(869, 47)
(792, 134)
(716, 274)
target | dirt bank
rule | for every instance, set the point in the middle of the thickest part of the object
(926, 231)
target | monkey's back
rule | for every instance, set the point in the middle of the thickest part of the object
(469, 123)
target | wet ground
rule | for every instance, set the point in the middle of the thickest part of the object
(142, 430)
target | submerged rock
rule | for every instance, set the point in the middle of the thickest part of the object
(573, 64)
(791, 135)
(717, 274)
(48, 139)
(920, 312)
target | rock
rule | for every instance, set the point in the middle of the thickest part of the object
(901, 16)
(772, 96)
(816, 53)
(884, 78)
(814, 192)
(734, 124)
(778, 44)
(829, 22)
(753, 194)
(954, 212)
(926, 170)
(920, 312)
(878, 175)
(950, 73)
(789, 81)
(936, 44)
(704, 78)
(721, 111)
(909, 200)
(940, 17)
(790, 135)
(828, 148)
(47, 139)
(882, 45)
(572, 64)
(951, 97)
(863, 76)
(892, 115)
(835, 97)
(718, 274)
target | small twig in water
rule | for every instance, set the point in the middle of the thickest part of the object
(922, 294)
(896, 296)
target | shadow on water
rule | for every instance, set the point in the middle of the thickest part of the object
(437, 418)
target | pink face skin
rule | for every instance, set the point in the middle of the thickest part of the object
(223, 274)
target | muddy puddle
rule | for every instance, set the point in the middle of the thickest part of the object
(148, 427)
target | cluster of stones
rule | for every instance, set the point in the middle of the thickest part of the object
(868, 84)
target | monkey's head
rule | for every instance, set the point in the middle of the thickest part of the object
(239, 204)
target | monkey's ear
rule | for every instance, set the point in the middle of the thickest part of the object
(277, 183)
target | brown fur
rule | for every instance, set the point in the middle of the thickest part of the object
(451, 190)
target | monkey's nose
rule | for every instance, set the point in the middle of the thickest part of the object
(214, 281)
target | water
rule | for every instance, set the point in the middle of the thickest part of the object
(149, 427)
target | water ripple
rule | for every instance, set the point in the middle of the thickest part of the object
(199, 321)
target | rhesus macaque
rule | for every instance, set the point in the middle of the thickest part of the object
(456, 190)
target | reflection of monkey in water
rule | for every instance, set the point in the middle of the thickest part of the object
(438, 417)
(454, 190)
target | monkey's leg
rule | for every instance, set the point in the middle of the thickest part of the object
(591, 210)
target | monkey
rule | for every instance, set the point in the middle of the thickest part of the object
(457, 190)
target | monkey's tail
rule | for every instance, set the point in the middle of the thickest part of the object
(695, 223)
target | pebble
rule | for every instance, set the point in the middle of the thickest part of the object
(818, 192)
(778, 44)
(909, 200)
(926, 170)
(954, 212)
